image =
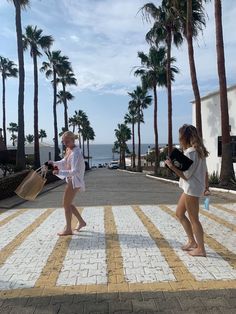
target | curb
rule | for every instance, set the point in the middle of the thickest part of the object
(176, 182)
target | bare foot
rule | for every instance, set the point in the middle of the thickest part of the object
(197, 252)
(189, 246)
(80, 225)
(65, 233)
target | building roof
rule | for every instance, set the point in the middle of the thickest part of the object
(215, 93)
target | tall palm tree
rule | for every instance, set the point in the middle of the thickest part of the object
(227, 170)
(29, 138)
(167, 29)
(62, 98)
(123, 134)
(85, 124)
(35, 41)
(90, 136)
(153, 74)
(140, 101)
(80, 117)
(13, 128)
(66, 77)
(131, 118)
(52, 69)
(73, 122)
(42, 134)
(7, 69)
(20, 156)
(192, 18)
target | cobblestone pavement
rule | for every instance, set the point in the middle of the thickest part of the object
(127, 259)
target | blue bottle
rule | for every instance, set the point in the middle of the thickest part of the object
(207, 203)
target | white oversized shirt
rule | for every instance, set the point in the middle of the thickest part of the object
(73, 167)
(195, 175)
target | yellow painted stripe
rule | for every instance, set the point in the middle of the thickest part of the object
(15, 243)
(227, 210)
(180, 271)
(218, 219)
(14, 215)
(113, 251)
(51, 270)
(215, 245)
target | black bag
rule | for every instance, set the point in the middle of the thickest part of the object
(179, 160)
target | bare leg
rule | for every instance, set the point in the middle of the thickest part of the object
(81, 223)
(192, 205)
(180, 213)
(68, 198)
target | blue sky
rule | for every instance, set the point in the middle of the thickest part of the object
(101, 38)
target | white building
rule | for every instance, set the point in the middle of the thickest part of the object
(211, 126)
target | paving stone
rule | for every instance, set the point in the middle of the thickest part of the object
(120, 306)
(149, 305)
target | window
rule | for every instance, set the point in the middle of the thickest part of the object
(233, 144)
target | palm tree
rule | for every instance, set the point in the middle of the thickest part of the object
(66, 77)
(153, 74)
(30, 138)
(62, 98)
(73, 122)
(20, 156)
(80, 118)
(42, 134)
(131, 118)
(192, 19)
(13, 128)
(7, 69)
(123, 134)
(90, 136)
(35, 41)
(139, 100)
(167, 29)
(85, 124)
(52, 69)
(227, 170)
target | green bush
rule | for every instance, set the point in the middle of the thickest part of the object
(214, 178)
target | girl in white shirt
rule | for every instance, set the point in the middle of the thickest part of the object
(193, 182)
(71, 167)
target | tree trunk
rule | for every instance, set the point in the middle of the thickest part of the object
(133, 139)
(88, 152)
(56, 147)
(65, 107)
(123, 156)
(4, 110)
(139, 142)
(168, 77)
(227, 171)
(193, 68)
(155, 131)
(20, 156)
(79, 137)
(83, 145)
(36, 127)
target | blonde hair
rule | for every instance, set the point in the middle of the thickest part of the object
(68, 134)
(188, 135)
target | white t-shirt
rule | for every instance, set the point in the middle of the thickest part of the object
(73, 168)
(195, 175)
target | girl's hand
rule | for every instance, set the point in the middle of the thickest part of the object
(168, 162)
(55, 171)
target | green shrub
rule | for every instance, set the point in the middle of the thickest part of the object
(214, 178)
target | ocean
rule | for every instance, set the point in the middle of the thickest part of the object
(102, 153)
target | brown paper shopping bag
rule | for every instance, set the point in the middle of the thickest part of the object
(32, 184)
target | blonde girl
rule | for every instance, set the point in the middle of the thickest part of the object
(72, 167)
(194, 183)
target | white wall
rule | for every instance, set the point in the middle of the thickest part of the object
(211, 125)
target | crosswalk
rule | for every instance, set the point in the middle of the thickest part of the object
(121, 248)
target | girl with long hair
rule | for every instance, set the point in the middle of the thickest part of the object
(194, 183)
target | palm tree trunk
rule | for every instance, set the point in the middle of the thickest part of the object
(83, 145)
(88, 152)
(36, 127)
(139, 142)
(65, 107)
(56, 147)
(4, 111)
(155, 130)
(79, 137)
(193, 68)
(133, 139)
(168, 73)
(20, 156)
(227, 171)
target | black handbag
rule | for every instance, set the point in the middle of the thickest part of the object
(179, 160)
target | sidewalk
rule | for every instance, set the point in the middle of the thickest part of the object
(127, 260)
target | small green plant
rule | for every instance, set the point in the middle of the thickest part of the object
(214, 178)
